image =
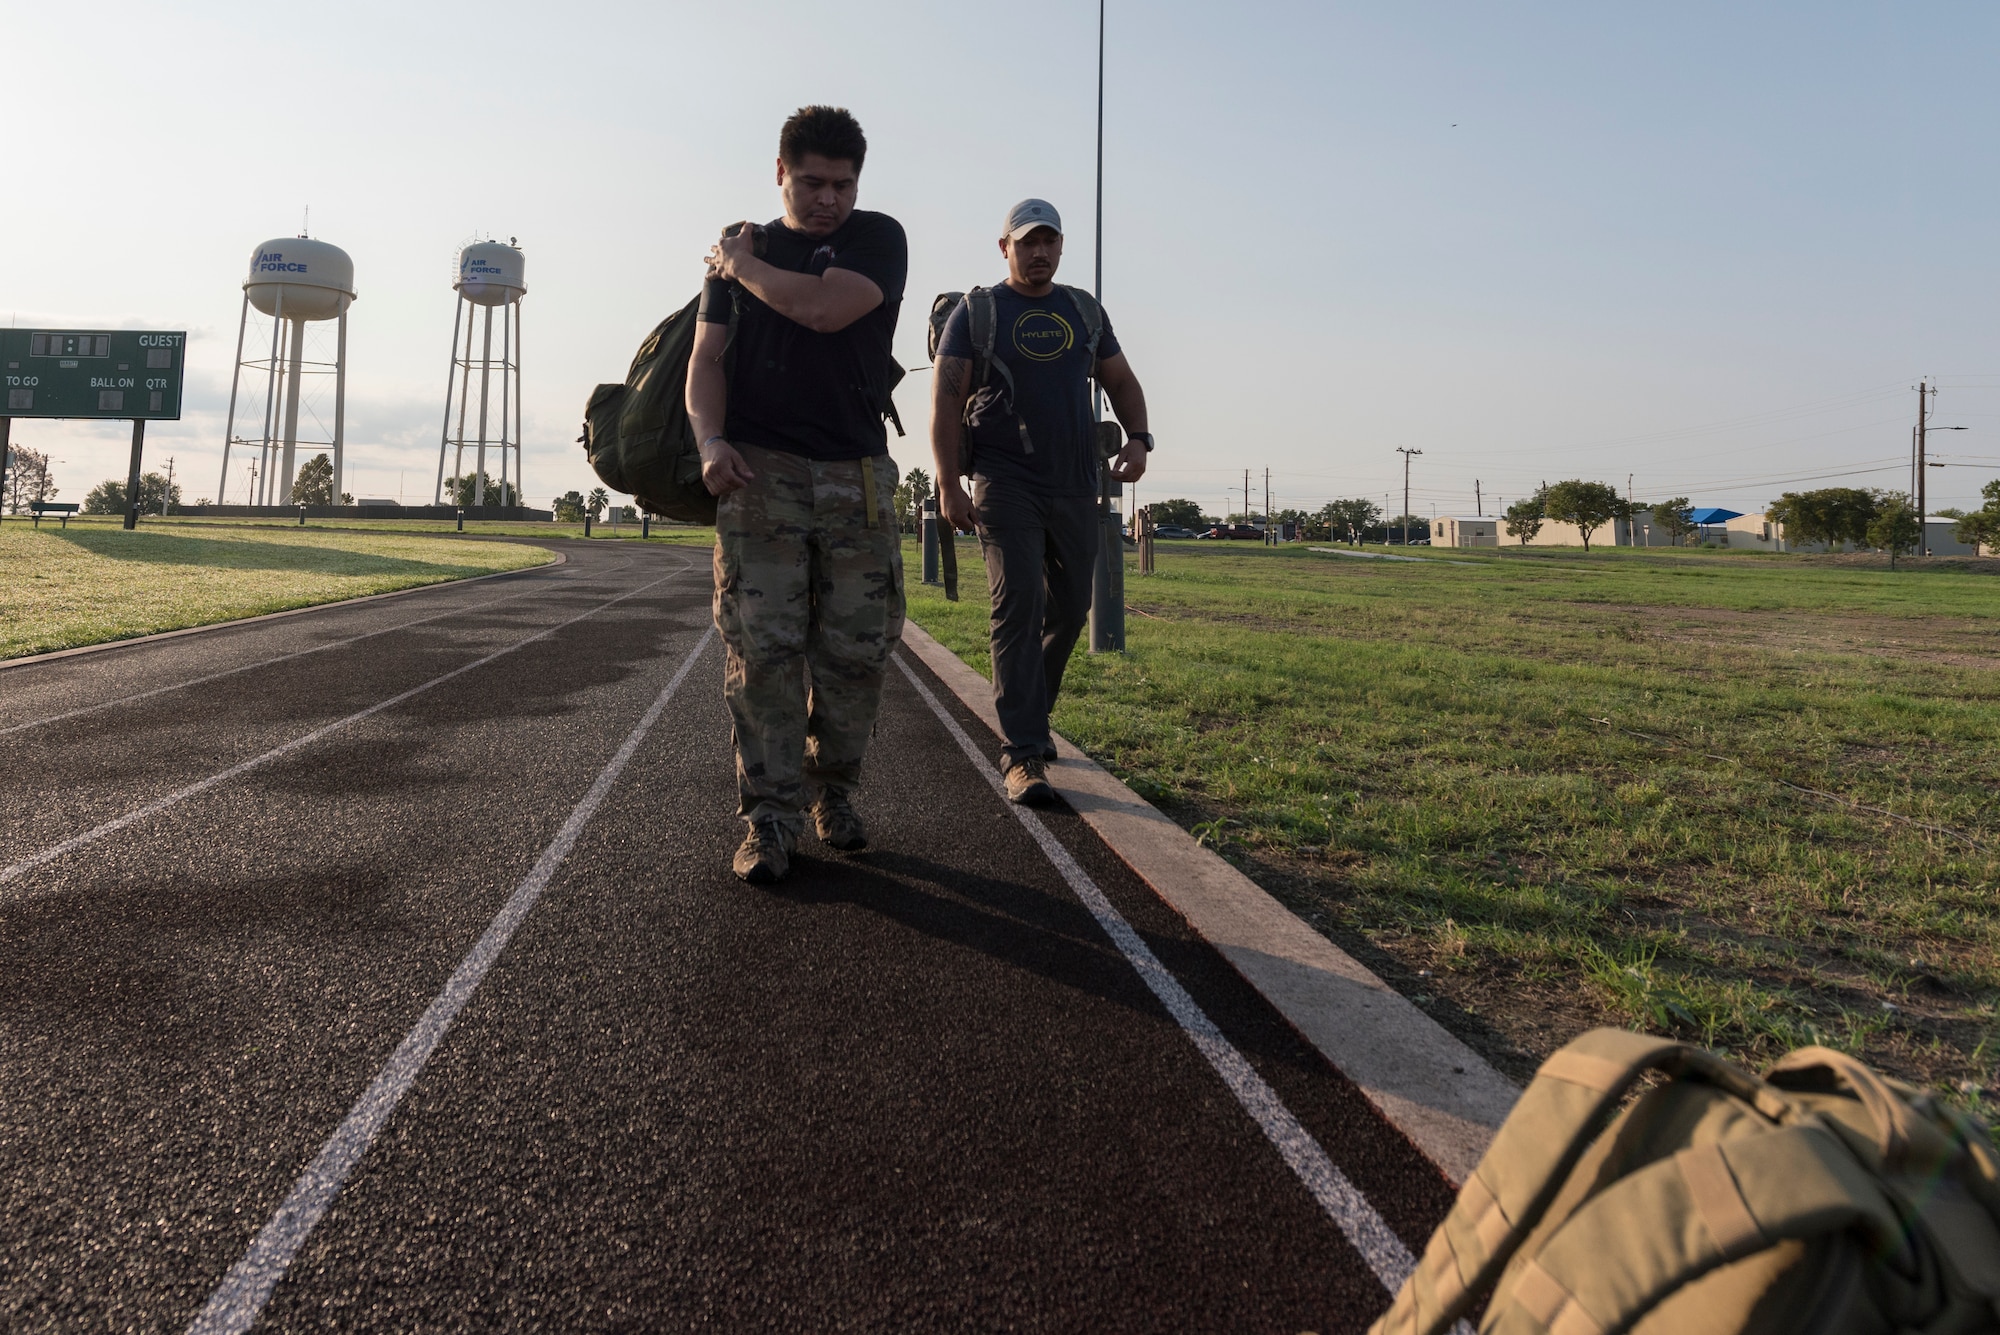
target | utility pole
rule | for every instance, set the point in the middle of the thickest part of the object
(1924, 529)
(1246, 495)
(1406, 490)
(167, 502)
(1478, 501)
(1267, 506)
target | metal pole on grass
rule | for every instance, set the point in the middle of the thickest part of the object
(1107, 585)
(132, 474)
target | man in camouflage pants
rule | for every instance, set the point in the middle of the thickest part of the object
(807, 573)
(808, 562)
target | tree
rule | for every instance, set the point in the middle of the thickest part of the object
(1409, 528)
(1350, 518)
(1895, 528)
(462, 490)
(1831, 515)
(27, 479)
(1524, 518)
(909, 499)
(314, 483)
(1177, 511)
(569, 508)
(596, 501)
(1588, 505)
(1676, 516)
(108, 496)
(1981, 528)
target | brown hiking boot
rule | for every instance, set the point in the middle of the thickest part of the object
(835, 822)
(766, 853)
(1028, 783)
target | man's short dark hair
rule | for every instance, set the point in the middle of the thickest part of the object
(831, 132)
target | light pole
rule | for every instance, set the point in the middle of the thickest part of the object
(1107, 584)
(1407, 455)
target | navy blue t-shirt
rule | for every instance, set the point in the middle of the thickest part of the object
(1041, 339)
(817, 395)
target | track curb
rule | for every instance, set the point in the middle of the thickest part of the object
(1438, 1092)
(31, 660)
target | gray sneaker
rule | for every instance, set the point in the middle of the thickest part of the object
(1028, 783)
(835, 822)
(766, 853)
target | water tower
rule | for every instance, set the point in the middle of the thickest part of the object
(490, 274)
(295, 281)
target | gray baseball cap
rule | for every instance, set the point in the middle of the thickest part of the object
(1029, 214)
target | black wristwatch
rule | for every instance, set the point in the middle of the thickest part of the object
(1144, 438)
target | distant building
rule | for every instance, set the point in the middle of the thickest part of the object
(1750, 533)
(1942, 532)
(1612, 533)
(1465, 531)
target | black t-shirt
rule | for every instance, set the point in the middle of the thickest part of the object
(1042, 340)
(817, 395)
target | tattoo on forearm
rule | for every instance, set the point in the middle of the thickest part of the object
(951, 377)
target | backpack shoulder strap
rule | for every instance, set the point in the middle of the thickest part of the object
(983, 320)
(1092, 316)
(1529, 1160)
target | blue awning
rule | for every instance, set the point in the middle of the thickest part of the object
(1714, 515)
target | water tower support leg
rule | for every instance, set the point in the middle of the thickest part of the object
(506, 402)
(292, 374)
(271, 419)
(235, 379)
(464, 394)
(339, 407)
(520, 423)
(451, 376)
(485, 388)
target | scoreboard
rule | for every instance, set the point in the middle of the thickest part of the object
(133, 374)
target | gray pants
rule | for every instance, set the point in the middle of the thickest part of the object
(1040, 554)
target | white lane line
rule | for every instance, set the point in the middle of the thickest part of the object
(179, 795)
(240, 1297)
(268, 662)
(1343, 1202)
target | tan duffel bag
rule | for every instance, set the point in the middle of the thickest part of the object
(1822, 1198)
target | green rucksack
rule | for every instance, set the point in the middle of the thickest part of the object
(637, 434)
(1822, 1198)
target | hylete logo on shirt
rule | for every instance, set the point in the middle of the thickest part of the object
(1042, 335)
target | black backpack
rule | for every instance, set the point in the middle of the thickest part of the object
(983, 319)
(980, 313)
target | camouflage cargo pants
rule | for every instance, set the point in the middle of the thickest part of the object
(809, 602)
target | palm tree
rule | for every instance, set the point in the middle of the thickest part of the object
(599, 499)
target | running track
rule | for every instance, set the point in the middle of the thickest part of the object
(380, 968)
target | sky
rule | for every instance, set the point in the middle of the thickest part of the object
(1703, 249)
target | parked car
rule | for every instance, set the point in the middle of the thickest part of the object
(1173, 531)
(1250, 531)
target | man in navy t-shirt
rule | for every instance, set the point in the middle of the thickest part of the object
(1024, 432)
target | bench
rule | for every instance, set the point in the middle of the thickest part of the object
(63, 508)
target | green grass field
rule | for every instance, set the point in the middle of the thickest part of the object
(92, 582)
(1748, 799)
